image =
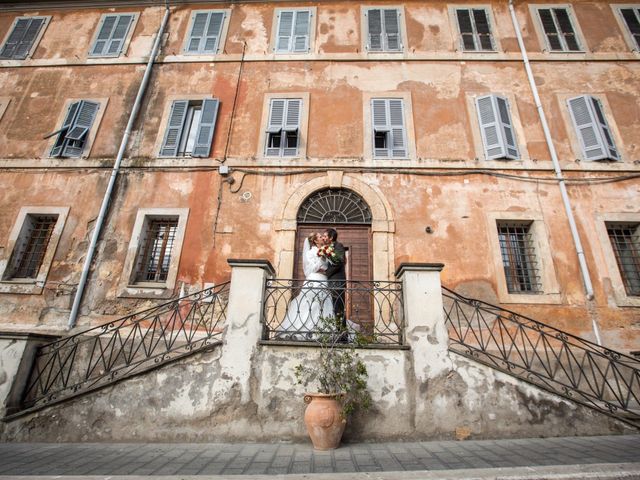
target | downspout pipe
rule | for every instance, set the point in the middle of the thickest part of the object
(114, 174)
(586, 278)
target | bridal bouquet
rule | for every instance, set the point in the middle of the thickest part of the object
(329, 252)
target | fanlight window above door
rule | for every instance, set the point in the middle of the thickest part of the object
(334, 206)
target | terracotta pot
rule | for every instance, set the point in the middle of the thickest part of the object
(324, 420)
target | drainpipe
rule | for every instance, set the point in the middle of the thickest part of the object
(114, 174)
(556, 166)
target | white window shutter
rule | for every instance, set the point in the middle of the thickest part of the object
(292, 124)
(196, 36)
(66, 124)
(213, 32)
(392, 30)
(80, 128)
(301, 31)
(22, 37)
(374, 21)
(607, 136)
(285, 31)
(207, 126)
(490, 127)
(276, 122)
(112, 33)
(398, 132)
(172, 135)
(507, 130)
(381, 124)
(587, 129)
(116, 42)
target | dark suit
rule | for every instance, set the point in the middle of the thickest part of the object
(337, 282)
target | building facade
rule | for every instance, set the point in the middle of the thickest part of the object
(412, 127)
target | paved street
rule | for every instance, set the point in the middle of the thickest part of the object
(93, 459)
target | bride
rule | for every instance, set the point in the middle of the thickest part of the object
(314, 300)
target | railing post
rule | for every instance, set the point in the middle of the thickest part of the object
(244, 326)
(425, 330)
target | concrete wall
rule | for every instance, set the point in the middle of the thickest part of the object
(247, 391)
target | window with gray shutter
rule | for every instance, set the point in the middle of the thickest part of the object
(383, 30)
(72, 137)
(496, 126)
(206, 29)
(594, 134)
(389, 132)
(631, 17)
(23, 35)
(283, 129)
(558, 30)
(112, 33)
(30, 247)
(190, 128)
(475, 31)
(293, 31)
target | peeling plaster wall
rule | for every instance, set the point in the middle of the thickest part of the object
(191, 401)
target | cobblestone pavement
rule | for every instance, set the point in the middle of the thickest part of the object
(156, 459)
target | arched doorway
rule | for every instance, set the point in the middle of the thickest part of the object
(349, 214)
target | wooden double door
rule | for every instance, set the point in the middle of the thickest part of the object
(357, 243)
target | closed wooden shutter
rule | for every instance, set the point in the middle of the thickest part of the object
(112, 34)
(207, 126)
(174, 128)
(206, 29)
(592, 129)
(24, 34)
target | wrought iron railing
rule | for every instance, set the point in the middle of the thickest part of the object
(128, 346)
(554, 360)
(293, 310)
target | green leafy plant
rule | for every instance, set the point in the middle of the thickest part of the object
(339, 369)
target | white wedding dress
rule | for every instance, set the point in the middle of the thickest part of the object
(312, 303)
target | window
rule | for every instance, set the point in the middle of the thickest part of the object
(631, 17)
(558, 30)
(293, 31)
(29, 250)
(389, 132)
(23, 37)
(626, 246)
(154, 257)
(111, 36)
(73, 136)
(498, 135)
(283, 130)
(475, 31)
(190, 128)
(383, 30)
(596, 139)
(206, 31)
(151, 267)
(518, 257)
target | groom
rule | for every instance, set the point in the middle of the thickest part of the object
(335, 274)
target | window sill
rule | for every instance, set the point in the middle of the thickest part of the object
(146, 290)
(22, 286)
(534, 298)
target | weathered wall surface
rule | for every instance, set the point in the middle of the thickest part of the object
(433, 188)
(191, 401)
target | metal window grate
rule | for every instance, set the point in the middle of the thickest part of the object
(155, 254)
(519, 257)
(32, 245)
(625, 239)
(334, 206)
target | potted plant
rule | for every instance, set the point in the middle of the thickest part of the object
(342, 379)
